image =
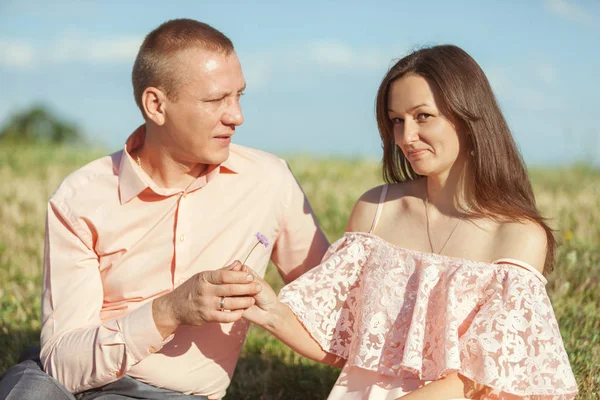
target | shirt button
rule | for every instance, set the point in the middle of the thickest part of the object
(151, 349)
(182, 238)
(116, 373)
(184, 195)
(181, 280)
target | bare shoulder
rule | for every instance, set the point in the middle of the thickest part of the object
(524, 241)
(364, 210)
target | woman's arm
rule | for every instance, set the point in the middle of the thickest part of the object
(453, 386)
(279, 320)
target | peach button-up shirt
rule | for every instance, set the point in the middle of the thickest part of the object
(115, 241)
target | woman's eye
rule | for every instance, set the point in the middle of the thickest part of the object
(396, 121)
(422, 116)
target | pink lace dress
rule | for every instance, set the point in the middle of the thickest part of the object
(403, 318)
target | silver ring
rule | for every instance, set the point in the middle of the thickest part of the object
(222, 304)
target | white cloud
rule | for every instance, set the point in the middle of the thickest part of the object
(547, 73)
(257, 69)
(339, 55)
(536, 99)
(573, 12)
(526, 87)
(109, 50)
(498, 77)
(16, 53)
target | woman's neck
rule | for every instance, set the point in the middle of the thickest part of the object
(449, 191)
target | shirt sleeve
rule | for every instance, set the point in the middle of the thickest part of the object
(79, 349)
(301, 243)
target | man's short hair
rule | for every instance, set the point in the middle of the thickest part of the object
(156, 62)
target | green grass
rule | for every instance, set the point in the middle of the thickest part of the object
(267, 369)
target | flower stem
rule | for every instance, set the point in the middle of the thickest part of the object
(244, 263)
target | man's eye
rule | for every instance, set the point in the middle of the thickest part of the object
(215, 100)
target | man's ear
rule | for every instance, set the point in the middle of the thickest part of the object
(154, 103)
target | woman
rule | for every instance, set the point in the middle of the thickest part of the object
(436, 291)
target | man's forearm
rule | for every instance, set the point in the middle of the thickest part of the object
(163, 315)
(92, 356)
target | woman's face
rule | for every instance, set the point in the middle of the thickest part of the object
(429, 141)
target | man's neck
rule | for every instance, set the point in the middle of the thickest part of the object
(164, 168)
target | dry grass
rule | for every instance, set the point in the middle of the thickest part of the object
(267, 369)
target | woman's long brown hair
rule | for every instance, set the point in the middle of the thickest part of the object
(502, 189)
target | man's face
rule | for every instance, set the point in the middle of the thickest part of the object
(201, 119)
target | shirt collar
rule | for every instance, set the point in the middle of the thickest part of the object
(133, 180)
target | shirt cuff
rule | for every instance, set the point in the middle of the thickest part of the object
(141, 335)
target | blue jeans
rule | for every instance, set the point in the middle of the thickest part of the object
(27, 381)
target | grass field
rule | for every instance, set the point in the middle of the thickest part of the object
(267, 369)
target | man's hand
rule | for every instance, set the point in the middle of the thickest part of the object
(198, 300)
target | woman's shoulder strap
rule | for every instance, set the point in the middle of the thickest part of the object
(379, 208)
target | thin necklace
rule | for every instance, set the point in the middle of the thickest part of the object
(451, 232)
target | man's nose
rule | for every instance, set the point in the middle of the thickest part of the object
(233, 115)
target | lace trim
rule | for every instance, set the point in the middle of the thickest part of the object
(393, 310)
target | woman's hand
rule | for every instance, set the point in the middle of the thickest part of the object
(266, 303)
(278, 319)
(266, 306)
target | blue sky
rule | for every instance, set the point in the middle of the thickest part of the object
(313, 68)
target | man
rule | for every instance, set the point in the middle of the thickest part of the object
(133, 303)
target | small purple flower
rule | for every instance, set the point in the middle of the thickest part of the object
(262, 239)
